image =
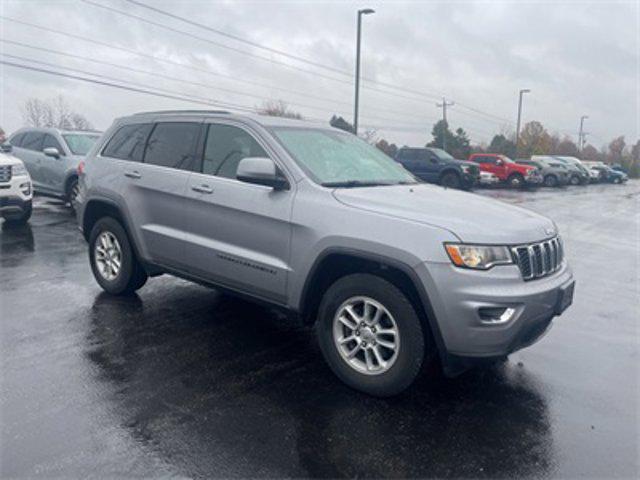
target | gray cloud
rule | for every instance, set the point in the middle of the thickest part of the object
(578, 58)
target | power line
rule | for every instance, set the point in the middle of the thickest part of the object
(191, 82)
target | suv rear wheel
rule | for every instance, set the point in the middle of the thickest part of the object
(113, 262)
(450, 180)
(370, 335)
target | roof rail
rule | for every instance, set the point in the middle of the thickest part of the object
(171, 112)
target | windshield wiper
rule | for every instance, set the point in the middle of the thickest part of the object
(354, 183)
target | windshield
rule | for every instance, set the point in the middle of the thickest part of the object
(441, 154)
(506, 159)
(80, 143)
(340, 159)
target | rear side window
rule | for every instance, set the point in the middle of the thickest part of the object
(485, 159)
(128, 142)
(226, 146)
(172, 145)
(50, 141)
(33, 141)
(16, 140)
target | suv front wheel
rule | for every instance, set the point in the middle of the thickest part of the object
(113, 262)
(370, 335)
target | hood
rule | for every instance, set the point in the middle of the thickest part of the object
(470, 217)
(465, 162)
(6, 159)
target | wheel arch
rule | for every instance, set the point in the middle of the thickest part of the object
(334, 263)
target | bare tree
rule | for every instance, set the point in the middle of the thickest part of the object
(370, 136)
(278, 108)
(55, 113)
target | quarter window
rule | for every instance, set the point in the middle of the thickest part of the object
(33, 141)
(171, 145)
(128, 142)
(16, 140)
(226, 146)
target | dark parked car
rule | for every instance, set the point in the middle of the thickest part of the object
(554, 174)
(434, 165)
(610, 175)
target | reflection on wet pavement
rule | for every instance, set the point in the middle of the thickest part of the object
(183, 381)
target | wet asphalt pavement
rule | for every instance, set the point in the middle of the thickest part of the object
(182, 381)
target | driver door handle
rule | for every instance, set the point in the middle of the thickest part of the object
(202, 189)
(133, 174)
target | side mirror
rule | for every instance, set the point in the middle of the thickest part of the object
(434, 159)
(261, 171)
(499, 162)
(51, 152)
(6, 148)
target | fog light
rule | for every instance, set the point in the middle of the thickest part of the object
(496, 316)
(26, 188)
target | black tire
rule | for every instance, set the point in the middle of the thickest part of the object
(550, 181)
(131, 275)
(19, 218)
(516, 180)
(72, 193)
(451, 180)
(574, 180)
(410, 354)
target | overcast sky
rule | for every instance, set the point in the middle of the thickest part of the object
(578, 58)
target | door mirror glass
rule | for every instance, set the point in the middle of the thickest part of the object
(51, 152)
(261, 171)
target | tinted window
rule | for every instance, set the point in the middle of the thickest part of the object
(32, 141)
(485, 159)
(171, 145)
(16, 140)
(407, 154)
(128, 142)
(225, 147)
(50, 141)
(80, 143)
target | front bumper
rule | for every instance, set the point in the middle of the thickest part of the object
(458, 295)
(15, 195)
(469, 180)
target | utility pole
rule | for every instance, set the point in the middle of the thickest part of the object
(582, 134)
(364, 11)
(444, 106)
(522, 92)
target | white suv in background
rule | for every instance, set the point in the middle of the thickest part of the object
(16, 191)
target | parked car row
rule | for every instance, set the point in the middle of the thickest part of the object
(434, 165)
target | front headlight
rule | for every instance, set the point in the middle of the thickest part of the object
(478, 257)
(18, 170)
(464, 168)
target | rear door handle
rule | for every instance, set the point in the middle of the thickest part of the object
(133, 174)
(202, 189)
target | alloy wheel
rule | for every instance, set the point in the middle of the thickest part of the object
(366, 335)
(108, 255)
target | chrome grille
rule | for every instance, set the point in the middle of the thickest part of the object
(538, 260)
(5, 173)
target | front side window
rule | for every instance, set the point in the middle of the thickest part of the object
(171, 145)
(80, 144)
(334, 158)
(50, 141)
(226, 145)
(128, 142)
(33, 141)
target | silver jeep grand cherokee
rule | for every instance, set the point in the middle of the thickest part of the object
(392, 272)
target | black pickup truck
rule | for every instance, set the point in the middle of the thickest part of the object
(434, 165)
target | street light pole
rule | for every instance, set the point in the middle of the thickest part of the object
(523, 91)
(581, 135)
(364, 11)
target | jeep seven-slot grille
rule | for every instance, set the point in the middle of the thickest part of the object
(5, 173)
(538, 260)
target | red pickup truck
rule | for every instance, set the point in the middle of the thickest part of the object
(507, 170)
